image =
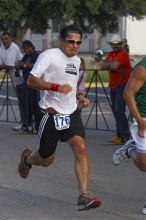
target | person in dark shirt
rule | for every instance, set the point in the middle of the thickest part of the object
(27, 97)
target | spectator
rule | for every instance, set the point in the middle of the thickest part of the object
(117, 62)
(135, 97)
(27, 97)
(9, 55)
(56, 73)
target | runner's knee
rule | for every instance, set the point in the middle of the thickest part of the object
(81, 151)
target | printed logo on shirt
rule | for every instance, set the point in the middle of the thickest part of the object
(71, 69)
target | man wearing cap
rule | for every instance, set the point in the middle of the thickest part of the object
(117, 62)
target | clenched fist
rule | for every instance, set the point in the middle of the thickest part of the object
(66, 88)
(83, 101)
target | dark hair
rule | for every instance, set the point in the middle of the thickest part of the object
(6, 33)
(27, 43)
(70, 28)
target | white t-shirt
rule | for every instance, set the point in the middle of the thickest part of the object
(54, 66)
(9, 57)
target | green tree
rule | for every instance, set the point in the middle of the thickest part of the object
(104, 14)
(16, 16)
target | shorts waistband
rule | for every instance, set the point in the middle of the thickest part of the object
(49, 110)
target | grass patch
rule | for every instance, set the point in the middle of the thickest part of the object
(90, 70)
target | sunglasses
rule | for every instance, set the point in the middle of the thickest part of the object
(70, 41)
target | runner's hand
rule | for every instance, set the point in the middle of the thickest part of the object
(83, 101)
(64, 88)
(142, 128)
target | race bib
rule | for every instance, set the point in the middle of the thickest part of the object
(61, 121)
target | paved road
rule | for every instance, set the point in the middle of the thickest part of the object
(51, 193)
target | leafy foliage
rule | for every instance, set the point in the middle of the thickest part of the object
(17, 16)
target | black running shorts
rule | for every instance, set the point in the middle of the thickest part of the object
(49, 135)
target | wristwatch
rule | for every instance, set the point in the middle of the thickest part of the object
(24, 66)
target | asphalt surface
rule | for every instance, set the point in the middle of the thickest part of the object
(52, 193)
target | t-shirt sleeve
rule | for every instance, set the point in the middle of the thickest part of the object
(41, 65)
(108, 57)
(12, 57)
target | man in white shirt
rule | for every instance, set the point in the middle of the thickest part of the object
(56, 74)
(9, 55)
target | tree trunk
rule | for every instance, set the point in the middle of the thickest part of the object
(18, 36)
